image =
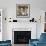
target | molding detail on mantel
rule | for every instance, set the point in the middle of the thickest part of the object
(21, 29)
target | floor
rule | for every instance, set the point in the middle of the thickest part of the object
(20, 45)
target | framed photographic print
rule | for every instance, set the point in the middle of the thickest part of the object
(22, 10)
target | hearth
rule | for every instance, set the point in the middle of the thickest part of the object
(22, 37)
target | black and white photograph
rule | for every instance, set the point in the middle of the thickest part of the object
(22, 10)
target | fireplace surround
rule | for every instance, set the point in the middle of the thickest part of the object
(21, 35)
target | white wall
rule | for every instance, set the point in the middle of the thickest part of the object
(10, 11)
(40, 26)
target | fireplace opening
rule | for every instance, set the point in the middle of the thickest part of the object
(22, 37)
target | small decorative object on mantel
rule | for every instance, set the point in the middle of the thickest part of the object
(32, 20)
(14, 20)
(22, 10)
(5, 18)
(10, 19)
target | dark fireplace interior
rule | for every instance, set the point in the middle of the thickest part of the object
(22, 37)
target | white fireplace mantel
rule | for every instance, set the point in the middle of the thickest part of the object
(15, 26)
(26, 27)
